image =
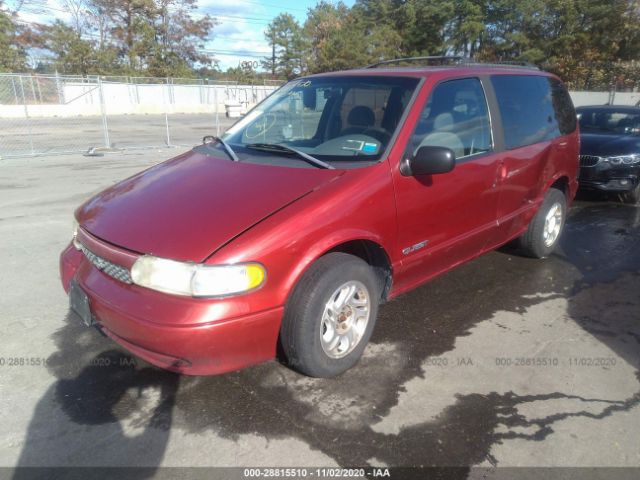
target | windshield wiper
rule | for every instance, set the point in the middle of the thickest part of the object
(276, 147)
(225, 145)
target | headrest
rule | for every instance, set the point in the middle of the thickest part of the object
(361, 116)
(442, 121)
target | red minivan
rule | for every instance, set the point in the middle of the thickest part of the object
(338, 192)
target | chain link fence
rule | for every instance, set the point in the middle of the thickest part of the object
(600, 83)
(614, 76)
(42, 114)
(51, 114)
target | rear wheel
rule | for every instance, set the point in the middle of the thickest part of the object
(545, 228)
(330, 315)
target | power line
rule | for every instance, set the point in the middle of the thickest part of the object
(212, 51)
(222, 19)
(43, 5)
(241, 55)
(262, 4)
(32, 7)
(253, 20)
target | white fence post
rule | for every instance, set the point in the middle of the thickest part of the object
(15, 90)
(103, 112)
(59, 89)
(165, 93)
(215, 101)
(26, 115)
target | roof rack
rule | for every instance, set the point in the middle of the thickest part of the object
(504, 63)
(456, 61)
(431, 58)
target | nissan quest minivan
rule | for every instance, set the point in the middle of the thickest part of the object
(338, 192)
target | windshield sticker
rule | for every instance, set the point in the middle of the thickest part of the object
(370, 148)
(360, 146)
(355, 145)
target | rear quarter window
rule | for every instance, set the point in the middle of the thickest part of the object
(533, 109)
(563, 107)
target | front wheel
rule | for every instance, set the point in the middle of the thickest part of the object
(330, 315)
(542, 235)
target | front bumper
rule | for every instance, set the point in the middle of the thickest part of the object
(609, 178)
(182, 334)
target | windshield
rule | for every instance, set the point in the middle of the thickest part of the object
(334, 119)
(610, 121)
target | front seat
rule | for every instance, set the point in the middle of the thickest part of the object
(442, 136)
(360, 118)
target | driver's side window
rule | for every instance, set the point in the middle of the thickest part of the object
(456, 117)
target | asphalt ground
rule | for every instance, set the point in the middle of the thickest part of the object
(503, 362)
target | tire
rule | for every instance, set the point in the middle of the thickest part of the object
(308, 331)
(632, 197)
(536, 242)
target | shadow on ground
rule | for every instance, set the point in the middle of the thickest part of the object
(127, 408)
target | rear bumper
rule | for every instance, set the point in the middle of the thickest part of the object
(185, 335)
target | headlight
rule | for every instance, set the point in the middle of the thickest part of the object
(194, 279)
(623, 159)
(74, 234)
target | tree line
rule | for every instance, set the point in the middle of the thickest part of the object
(589, 43)
(108, 37)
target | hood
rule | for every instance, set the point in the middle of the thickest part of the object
(188, 207)
(603, 145)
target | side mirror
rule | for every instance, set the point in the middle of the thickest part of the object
(429, 160)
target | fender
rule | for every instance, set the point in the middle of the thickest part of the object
(326, 244)
(289, 241)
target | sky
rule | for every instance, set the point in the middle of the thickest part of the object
(238, 37)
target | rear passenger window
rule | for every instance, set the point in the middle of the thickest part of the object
(533, 109)
(455, 117)
(563, 106)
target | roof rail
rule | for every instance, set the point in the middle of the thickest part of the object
(503, 63)
(455, 60)
(430, 58)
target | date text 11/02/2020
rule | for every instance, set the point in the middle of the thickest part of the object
(302, 472)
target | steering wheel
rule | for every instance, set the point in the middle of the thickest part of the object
(379, 134)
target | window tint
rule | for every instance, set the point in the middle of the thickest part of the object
(533, 109)
(602, 120)
(563, 107)
(455, 117)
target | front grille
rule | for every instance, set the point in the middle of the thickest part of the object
(589, 160)
(113, 270)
